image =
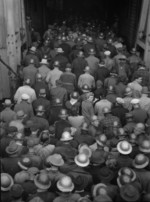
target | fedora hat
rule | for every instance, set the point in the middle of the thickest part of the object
(129, 192)
(82, 160)
(7, 103)
(124, 147)
(25, 163)
(80, 182)
(127, 171)
(42, 91)
(56, 160)
(44, 61)
(140, 161)
(60, 50)
(98, 189)
(42, 181)
(66, 136)
(80, 54)
(65, 184)
(12, 148)
(74, 95)
(86, 150)
(145, 146)
(21, 177)
(6, 182)
(97, 157)
(123, 179)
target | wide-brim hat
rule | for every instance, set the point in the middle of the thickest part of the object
(124, 147)
(82, 162)
(7, 103)
(65, 187)
(97, 157)
(106, 174)
(140, 163)
(86, 150)
(80, 182)
(12, 148)
(32, 49)
(7, 188)
(56, 160)
(92, 52)
(123, 180)
(16, 190)
(145, 146)
(133, 50)
(41, 185)
(133, 177)
(97, 187)
(129, 193)
(102, 198)
(24, 163)
(21, 114)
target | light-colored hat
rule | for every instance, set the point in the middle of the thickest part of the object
(135, 101)
(145, 146)
(7, 103)
(101, 140)
(127, 171)
(66, 136)
(25, 163)
(124, 147)
(119, 100)
(25, 96)
(12, 148)
(33, 49)
(107, 52)
(6, 182)
(21, 114)
(140, 161)
(60, 50)
(56, 160)
(44, 61)
(65, 184)
(82, 160)
(100, 188)
(119, 45)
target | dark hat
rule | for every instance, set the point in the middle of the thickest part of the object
(128, 115)
(42, 181)
(80, 182)
(6, 182)
(75, 95)
(101, 35)
(101, 139)
(12, 148)
(92, 51)
(129, 192)
(86, 88)
(140, 161)
(40, 108)
(12, 129)
(145, 146)
(90, 39)
(21, 114)
(27, 81)
(25, 163)
(106, 174)
(106, 110)
(80, 54)
(58, 82)
(102, 198)
(16, 190)
(36, 199)
(97, 157)
(133, 50)
(63, 113)
(56, 64)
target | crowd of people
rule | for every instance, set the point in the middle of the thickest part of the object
(78, 126)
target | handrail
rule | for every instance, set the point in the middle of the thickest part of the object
(8, 67)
